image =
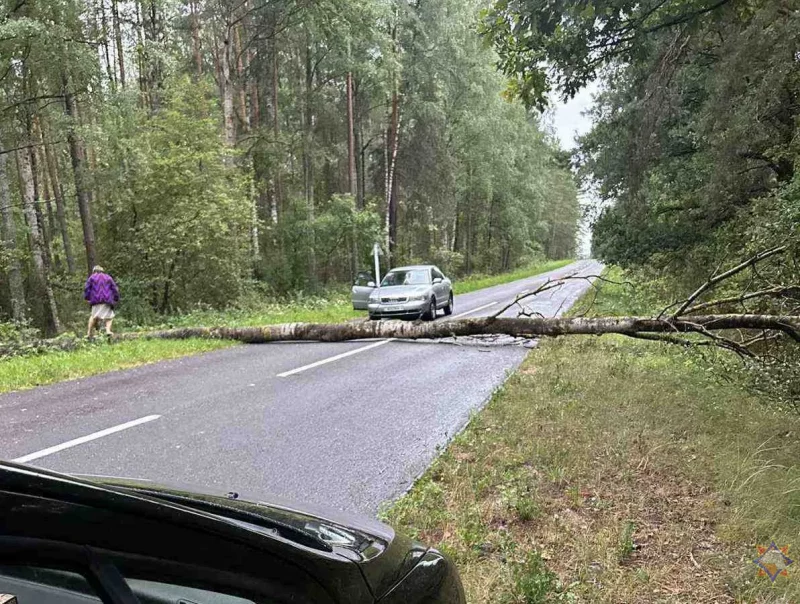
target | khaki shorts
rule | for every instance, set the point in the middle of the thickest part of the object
(103, 312)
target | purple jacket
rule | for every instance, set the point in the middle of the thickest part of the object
(100, 289)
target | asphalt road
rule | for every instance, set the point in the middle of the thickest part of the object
(348, 424)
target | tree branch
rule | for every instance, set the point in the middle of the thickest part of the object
(726, 275)
(775, 292)
(555, 284)
(663, 337)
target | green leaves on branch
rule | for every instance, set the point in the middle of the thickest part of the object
(549, 46)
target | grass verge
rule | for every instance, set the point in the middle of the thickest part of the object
(317, 311)
(475, 282)
(22, 373)
(611, 470)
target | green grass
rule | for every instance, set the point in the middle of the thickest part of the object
(22, 373)
(475, 282)
(613, 470)
(335, 311)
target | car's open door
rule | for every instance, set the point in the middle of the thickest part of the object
(363, 285)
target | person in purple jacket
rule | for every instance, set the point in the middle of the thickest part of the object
(102, 293)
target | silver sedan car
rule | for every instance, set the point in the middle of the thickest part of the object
(407, 291)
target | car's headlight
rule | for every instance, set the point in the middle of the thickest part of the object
(373, 297)
(417, 297)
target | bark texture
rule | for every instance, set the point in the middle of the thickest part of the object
(8, 239)
(523, 327)
(517, 327)
(78, 156)
(37, 242)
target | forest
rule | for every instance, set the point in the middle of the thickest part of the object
(693, 151)
(207, 150)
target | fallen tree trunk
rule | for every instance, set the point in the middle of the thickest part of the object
(665, 329)
(517, 327)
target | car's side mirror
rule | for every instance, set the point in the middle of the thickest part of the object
(437, 280)
(371, 284)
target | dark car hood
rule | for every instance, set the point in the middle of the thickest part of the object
(277, 509)
(383, 557)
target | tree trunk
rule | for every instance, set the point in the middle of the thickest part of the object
(141, 53)
(308, 176)
(167, 283)
(153, 33)
(37, 245)
(351, 148)
(516, 327)
(195, 25)
(48, 202)
(391, 191)
(457, 225)
(78, 156)
(351, 172)
(254, 242)
(252, 87)
(118, 39)
(387, 132)
(468, 227)
(245, 122)
(40, 176)
(241, 67)
(393, 213)
(358, 142)
(45, 228)
(58, 194)
(227, 90)
(106, 47)
(276, 130)
(489, 232)
(8, 232)
(637, 327)
(44, 231)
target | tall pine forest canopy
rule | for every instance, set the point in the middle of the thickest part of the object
(208, 150)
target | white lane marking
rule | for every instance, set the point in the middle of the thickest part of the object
(334, 358)
(85, 439)
(363, 348)
(469, 312)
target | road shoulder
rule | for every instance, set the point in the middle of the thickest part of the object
(613, 470)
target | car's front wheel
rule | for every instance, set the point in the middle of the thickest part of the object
(448, 310)
(431, 314)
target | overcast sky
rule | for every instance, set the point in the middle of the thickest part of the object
(567, 118)
(568, 121)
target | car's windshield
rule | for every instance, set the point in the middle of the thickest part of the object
(401, 277)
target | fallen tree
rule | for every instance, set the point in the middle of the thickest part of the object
(738, 332)
(524, 327)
